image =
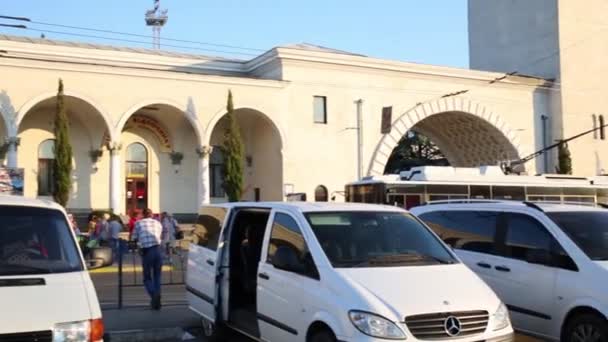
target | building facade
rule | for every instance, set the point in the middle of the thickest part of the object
(146, 126)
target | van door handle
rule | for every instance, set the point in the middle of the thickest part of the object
(484, 265)
(264, 276)
(502, 268)
(210, 262)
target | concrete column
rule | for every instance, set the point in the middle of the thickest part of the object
(11, 154)
(115, 180)
(204, 193)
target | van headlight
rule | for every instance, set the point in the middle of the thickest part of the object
(501, 317)
(375, 326)
(72, 332)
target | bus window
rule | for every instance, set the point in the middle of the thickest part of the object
(396, 200)
(537, 198)
(480, 192)
(447, 189)
(580, 199)
(509, 192)
(543, 190)
(412, 201)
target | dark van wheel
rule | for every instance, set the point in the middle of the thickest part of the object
(323, 336)
(586, 328)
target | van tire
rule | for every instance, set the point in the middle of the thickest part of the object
(323, 336)
(586, 325)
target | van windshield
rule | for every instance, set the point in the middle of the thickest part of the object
(36, 241)
(588, 230)
(376, 239)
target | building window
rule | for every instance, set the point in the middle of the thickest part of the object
(320, 108)
(216, 172)
(137, 161)
(320, 194)
(46, 161)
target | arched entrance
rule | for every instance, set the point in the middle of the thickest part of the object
(263, 164)
(466, 138)
(88, 126)
(160, 163)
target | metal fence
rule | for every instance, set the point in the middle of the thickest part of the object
(130, 268)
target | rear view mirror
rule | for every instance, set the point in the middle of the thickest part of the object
(286, 259)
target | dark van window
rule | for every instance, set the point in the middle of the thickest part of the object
(467, 230)
(525, 234)
(36, 241)
(208, 227)
(287, 233)
(587, 229)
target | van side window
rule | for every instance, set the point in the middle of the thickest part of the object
(287, 233)
(208, 227)
(467, 230)
(524, 235)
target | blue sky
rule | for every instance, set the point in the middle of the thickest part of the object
(423, 31)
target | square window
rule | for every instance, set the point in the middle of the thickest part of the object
(320, 109)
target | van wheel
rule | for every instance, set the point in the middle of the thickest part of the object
(323, 336)
(213, 332)
(586, 328)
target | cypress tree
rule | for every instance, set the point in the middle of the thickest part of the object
(564, 159)
(63, 152)
(233, 155)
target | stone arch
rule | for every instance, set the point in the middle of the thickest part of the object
(29, 105)
(188, 111)
(263, 146)
(220, 114)
(428, 111)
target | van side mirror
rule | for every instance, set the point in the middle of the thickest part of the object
(286, 259)
(539, 256)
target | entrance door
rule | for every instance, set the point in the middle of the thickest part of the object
(137, 178)
(137, 194)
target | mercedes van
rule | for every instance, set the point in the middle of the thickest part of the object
(334, 272)
(46, 293)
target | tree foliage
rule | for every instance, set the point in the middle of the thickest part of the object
(414, 149)
(234, 155)
(63, 152)
(564, 159)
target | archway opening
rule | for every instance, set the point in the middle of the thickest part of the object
(87, 130)
(160, 169)
(451, 138)
(263, 162)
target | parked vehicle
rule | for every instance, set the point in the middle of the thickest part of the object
(547, 262)
(334, 272)
(45, 289)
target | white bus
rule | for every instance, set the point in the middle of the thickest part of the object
(432, 183)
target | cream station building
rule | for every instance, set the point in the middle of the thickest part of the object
(145, 125)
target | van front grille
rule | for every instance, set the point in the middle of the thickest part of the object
(437, 327)
(32, 336)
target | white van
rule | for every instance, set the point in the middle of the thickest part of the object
(334, 272)
(46, 293)
(547, 262)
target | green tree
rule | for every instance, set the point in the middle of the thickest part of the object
(234, 155)
(564, 159)
(63, 152)
(414, 149)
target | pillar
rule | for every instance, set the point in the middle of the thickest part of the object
(204, 153)
(11, 154)
(115, 182)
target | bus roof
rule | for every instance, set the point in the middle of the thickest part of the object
(485, 175)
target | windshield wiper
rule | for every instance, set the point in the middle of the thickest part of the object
(25, 269)
(403, 258)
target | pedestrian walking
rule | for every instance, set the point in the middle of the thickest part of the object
(102, 230)
(115, 227)
(169, 228)
(148, 233)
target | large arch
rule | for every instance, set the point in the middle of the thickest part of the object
(88, 125)
(166, 129)
(35, 101)
(467, 132)
(188, 112)
(263, 142)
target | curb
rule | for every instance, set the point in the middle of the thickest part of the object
(161, 334)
